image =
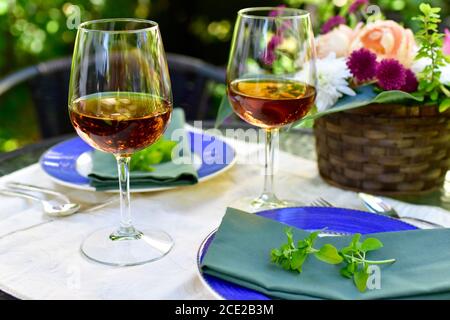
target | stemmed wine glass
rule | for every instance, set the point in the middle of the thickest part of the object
(271, 79)
(120, 101)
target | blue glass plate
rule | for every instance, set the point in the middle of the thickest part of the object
(308, 218)
(69, 162)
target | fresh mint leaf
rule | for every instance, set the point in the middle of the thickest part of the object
(159, 152)
(292, 257)
(371, 244)
(298, 258)
(360, 279)
(329, 254)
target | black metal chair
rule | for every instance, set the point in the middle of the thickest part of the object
(49, 83)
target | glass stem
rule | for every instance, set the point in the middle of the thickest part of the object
(126, 229)
(269, 157)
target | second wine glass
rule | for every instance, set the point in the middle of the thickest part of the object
(271, 79)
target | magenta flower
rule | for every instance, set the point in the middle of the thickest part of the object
(332, 23)
(411, 83)
(269, 55)
(277, 11)
(362, 64)
(446, 48)
(356, 5)
(391, 75)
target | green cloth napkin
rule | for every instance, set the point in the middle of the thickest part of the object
(104, 172)
(240, 253)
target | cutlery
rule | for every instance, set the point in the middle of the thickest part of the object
(29, 187)
(377, 205)
(85, 208)
(321, 202)
(50, 208)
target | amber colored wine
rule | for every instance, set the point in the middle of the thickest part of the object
(269, 103)
(120, 123)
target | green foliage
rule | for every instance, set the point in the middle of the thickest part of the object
(292, 257)
(430, 38)
(365, 95)
(160, 151)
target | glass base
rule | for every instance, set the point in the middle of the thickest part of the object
(118, 248)
(263, 202)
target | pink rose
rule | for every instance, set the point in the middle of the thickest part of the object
(337, 40)
(446, 48)
(388, 40)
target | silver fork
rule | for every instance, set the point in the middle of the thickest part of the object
(84, 207)
(321, 202)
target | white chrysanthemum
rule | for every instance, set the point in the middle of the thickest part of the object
(445, 74)
(332, 83)
(420, 64)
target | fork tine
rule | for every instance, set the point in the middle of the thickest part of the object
(320, 202)
(326, 203)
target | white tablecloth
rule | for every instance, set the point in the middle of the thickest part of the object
(44, 261)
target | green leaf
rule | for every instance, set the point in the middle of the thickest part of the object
(298, 258)
(286, 264)
(365, 95)
(445, 104)
(346, 273)
(371, 244)
(225, 111)
(360, 278)
(355, 241)
(313, 236)
(290, 237)
(160, 151)
(329, 254)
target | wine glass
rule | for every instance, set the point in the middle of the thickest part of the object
(271, 80)
(120, 102)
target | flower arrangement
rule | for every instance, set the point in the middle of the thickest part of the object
(362, 60)
(380, 61)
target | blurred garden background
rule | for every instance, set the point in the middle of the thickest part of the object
(33, 31)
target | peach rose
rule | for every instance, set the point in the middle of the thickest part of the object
(387, 39)
(337, 40)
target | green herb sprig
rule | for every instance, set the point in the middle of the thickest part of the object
(292, 257)
(430, 39)
(160, 151)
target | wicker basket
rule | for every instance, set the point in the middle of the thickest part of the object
(385, 148)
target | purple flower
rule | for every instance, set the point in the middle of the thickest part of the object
(391, 75)
(332, 23)
(356, 5)
(362, 64)
(277, 11)
(411, 82)
(268, 55)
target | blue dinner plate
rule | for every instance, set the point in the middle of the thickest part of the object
(69, 162)
(307, 218)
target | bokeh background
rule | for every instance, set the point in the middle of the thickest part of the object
(33, 31)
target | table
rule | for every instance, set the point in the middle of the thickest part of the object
(298, 142)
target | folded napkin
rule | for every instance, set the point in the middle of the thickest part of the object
(240, 253)
(104, 172)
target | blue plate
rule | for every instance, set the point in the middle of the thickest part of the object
(307, 218)
(69, 162)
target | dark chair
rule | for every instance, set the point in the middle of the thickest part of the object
(49, 84)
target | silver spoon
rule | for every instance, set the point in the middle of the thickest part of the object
(50, 208)
(377, 205)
